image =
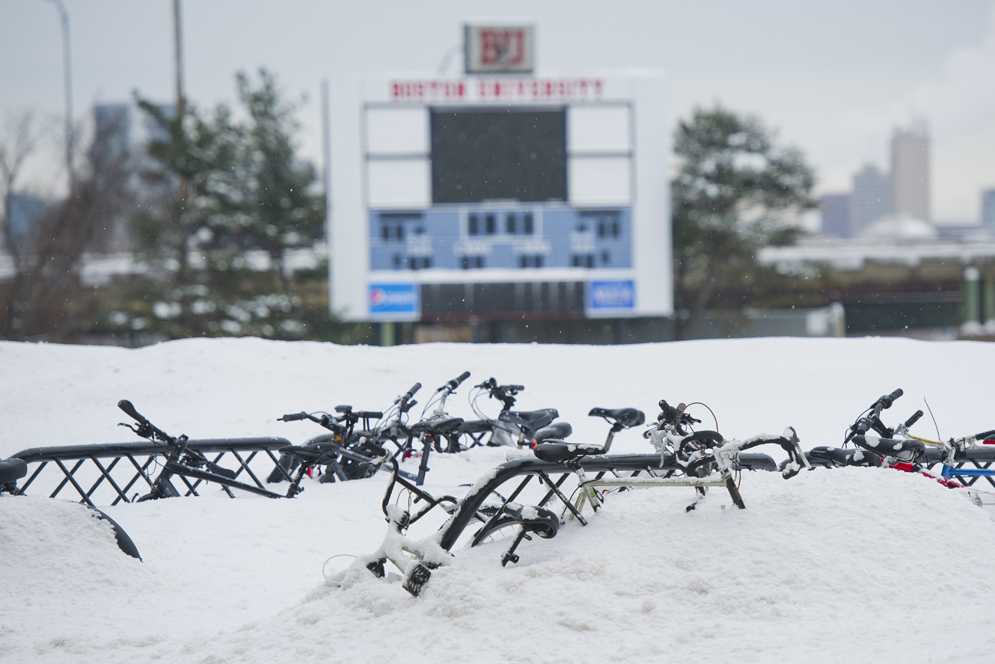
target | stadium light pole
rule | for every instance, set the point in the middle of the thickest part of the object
(67, 71)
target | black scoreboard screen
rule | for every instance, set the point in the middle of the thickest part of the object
(507, 154)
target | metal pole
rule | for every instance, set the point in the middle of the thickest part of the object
(326, 154)
(67, 74)
(180, 102)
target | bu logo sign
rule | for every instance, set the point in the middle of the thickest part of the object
(393, 299)
(620, 294)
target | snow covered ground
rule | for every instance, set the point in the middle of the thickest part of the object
(843, 565)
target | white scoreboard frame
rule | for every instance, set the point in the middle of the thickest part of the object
(390, 164)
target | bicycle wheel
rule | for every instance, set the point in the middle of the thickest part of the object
(512, 520)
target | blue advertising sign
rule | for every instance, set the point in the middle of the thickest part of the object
(386, 299)
(614, 294)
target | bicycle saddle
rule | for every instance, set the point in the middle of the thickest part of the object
(832, 457)
(904, 450)
(558, 451)
(627, 417)
(438, 427)
(12, 470)
(475, 426)
(556, 430)
(754, 461)
(530, 419)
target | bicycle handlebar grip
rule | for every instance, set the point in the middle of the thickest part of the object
(129, 408)
(512, 388)
(455, 382)
(912, 420)
(292, 417)
(890, 399)
(410, 393)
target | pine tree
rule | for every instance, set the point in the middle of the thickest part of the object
(281, 209)
(735, 191)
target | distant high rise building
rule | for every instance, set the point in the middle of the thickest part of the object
(910, 172)
(127, 131)
(988, 208)
(836, 215)
(112, 123)
(871, 198)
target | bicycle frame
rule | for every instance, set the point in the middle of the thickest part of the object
(184, 462)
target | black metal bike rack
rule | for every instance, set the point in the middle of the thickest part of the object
(101, 465)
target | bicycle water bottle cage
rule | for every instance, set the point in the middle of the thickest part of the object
(624, 418)
(560, 451)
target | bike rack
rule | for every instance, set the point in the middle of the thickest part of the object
(105, 459)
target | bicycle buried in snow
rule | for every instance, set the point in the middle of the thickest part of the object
(571, 476)
(897, 448)
(185, 463)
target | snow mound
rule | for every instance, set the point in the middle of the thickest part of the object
(860, 552)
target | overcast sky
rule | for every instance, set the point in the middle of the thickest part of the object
(834, 78)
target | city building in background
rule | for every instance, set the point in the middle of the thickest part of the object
(988, 209)
(126, 130)
(500, 196)
(871, 199)
(836, 214)
(910, 173)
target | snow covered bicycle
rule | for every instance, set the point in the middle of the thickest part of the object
(538, 482)
(510, 427)
(899, 449)
(183, 462)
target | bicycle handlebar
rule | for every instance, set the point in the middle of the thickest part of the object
(915, 418)
(889, 399)
(145, 429)
(410, 393)
(455, 382)
(129, 408)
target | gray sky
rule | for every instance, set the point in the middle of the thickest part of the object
(834, 77)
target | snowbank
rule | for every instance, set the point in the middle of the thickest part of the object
(849, 564)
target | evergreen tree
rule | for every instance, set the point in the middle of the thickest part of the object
(735, 191)
(280, 207)
(225, 187)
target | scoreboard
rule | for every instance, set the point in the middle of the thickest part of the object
(500, 196)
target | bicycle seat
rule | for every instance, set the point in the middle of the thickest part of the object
(438, 427)
(627, 417)
(556, 430)
(475, 426)
(12, 470)
(754, 461)
(530, 419)
(558, 451)
(833, 457)
(903, 450)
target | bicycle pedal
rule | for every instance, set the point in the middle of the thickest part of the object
(376, 567)
(417, 577)
(509, 558)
